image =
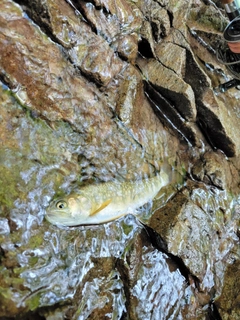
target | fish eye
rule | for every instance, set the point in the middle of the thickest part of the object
(61, 204)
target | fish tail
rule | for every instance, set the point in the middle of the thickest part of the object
(175, 174)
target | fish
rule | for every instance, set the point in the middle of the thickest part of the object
(103, 202)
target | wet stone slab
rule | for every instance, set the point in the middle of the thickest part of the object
(201, 228)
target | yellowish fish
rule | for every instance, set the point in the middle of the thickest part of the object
(103, 202)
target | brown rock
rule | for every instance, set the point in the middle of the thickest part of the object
(165, 217)
(214, 119)
(229, 301)
(158, 17)
(211, 115)
(84, 47)
(104, 303)
(171, 86)
(117, 22)
(214, 169)
(173, 57)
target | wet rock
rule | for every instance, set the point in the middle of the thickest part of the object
(141, 284)
(214, 169)
(127, 47)
(119, 23)
(200, 221)
(217, 131)
(154, 28)
(146, 46)
(217, 117)
(162, 219)
(137, 117)
(172, 87)
(209, 16)
(167, 113)
(229, 301)
(204, 44)
(167, 52)
(85, 109)
(210, 111)
(84, 47)
(158, 16)
(179, 12)
(103, 304)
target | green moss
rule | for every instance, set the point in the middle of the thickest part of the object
(35, 241)
(17, 282)
(8, 306)
(32, 261)
(33, 302)
(7, 280)
(208, 18)
(127, 228)
(18, 270)
(5, 293)
(8, 186)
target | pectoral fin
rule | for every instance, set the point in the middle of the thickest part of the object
(102, 206)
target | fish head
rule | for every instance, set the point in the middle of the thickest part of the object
(68, 211)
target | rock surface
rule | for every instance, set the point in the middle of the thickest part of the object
(104, 90)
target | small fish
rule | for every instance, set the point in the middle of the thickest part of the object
(103, 202)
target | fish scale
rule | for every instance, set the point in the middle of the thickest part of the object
(103, 202)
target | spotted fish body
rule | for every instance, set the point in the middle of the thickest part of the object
(103, 202)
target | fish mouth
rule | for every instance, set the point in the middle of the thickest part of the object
(59, 212)
(61, 221)
(56, 215)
